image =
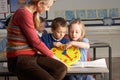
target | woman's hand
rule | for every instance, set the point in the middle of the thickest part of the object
(56, 58)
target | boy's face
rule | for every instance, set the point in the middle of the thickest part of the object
(59, 32)
(75, 32)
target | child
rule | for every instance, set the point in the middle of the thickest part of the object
(76, 32)
(3, 44)
(56, 38)
(40, 24)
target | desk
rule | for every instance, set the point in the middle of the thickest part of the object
(78, 70)
(4, 72)
(101, 45)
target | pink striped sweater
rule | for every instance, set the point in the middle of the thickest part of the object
(22, 37)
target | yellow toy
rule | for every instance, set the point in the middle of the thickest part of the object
(69, 56)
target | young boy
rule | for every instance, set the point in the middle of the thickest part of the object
(56, 38)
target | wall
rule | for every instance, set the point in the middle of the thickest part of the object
(82, 4)
(106, 34)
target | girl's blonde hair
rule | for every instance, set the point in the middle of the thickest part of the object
(82, 27)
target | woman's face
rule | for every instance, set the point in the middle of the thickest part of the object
(75, 32)
(44, 6)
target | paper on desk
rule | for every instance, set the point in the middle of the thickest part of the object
(5, 64)
(95, 63)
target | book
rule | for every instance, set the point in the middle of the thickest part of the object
(94, 63)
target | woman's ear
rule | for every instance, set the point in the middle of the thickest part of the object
(40, 3)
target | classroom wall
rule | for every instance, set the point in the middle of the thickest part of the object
(82, 4)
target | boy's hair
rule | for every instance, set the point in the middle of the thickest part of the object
(59, 21)
(82, 27)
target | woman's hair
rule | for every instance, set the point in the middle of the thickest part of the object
(82, 27)
(33, 2)
(36, 15)
(59, 21)
(36, 19)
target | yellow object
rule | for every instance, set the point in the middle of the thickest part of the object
(72, 55)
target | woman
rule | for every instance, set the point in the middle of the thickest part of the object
(23, 45)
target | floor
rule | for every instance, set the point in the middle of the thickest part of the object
(115, 71)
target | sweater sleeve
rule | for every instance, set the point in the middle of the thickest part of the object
(28, 30)
(47, 40)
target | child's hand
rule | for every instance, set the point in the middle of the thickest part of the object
(57, 44)
(68, 45)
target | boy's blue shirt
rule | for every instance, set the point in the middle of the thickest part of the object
(48, 40)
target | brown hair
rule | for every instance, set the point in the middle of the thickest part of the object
(59, 21)
(82, 27)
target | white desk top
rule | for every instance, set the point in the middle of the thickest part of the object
(77, 70)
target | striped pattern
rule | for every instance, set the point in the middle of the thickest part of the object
(17, 43)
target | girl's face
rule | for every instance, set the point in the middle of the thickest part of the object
(75, 32)
(42, 6)
(59, 32)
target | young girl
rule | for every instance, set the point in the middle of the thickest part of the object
(76, 31)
